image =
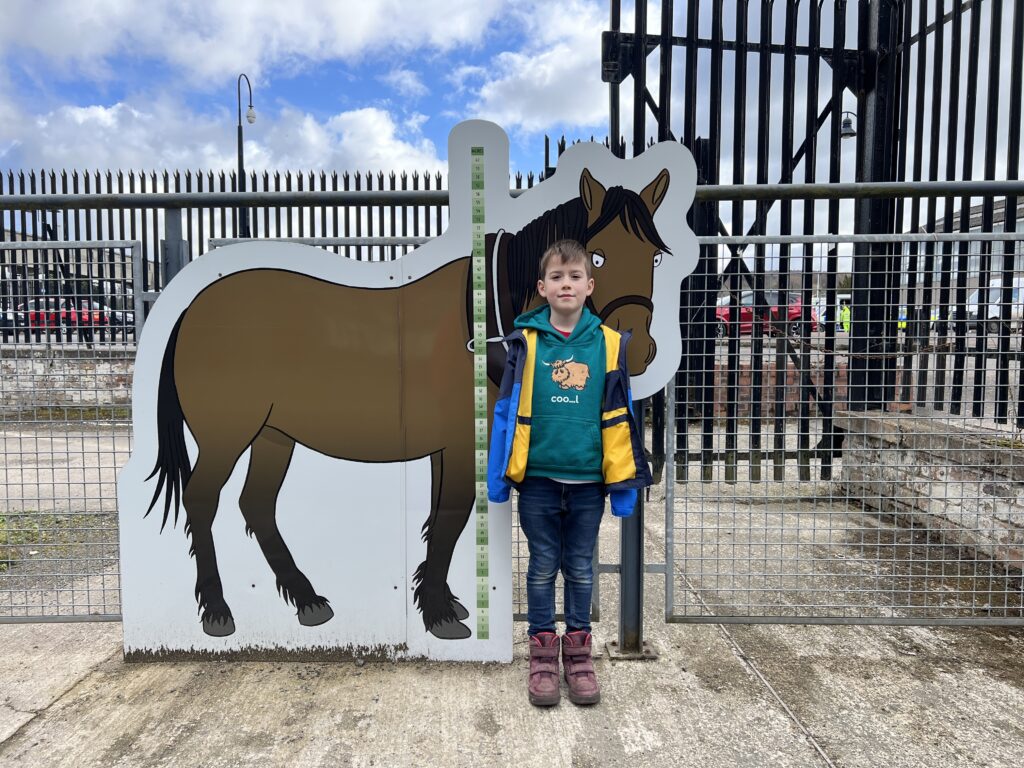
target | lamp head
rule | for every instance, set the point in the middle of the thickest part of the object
(847, 131)
(251, 115)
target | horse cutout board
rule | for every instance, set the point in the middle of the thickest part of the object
(308, 418)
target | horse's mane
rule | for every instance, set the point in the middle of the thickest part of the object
(569, 220)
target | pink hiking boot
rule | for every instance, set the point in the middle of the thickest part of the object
(579, 668)
(543, 683)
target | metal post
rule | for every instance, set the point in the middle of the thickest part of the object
(243, 213)
(701, 346)
(640, 79)
(664, 134)
(631, 597)
(876, 110)
(630, 644)
(174, 250)
(613, 84)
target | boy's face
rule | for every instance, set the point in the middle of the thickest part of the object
(566, 286)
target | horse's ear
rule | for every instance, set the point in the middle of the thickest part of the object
(592, 194)
(654, 192)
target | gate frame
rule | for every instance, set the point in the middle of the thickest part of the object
(872, 240)
(135, 247)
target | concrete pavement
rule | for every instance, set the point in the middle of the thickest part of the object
(717, 696)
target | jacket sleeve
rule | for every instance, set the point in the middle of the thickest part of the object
(623, 494)
(498, 486)
(623, 500)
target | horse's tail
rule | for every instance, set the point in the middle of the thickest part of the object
(172, 469)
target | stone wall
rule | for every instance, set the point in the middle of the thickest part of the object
(34, 377)
(961, 482)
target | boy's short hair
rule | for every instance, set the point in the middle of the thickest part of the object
(567, 252)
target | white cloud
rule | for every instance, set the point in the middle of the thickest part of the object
(555, 79)
(369, 138)
(414, 122)
(462, 74)
(169, 136)
(213, 39)
(13, 118)
(406, 82)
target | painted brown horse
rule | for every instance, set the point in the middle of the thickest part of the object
(330, 377)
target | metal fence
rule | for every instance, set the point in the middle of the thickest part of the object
(373, 214)
(759, 416)
(82, 292)
(65, 429)
(796, 502)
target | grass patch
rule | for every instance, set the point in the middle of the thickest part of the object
(25, 535)
(1009, 443)
(69, 413)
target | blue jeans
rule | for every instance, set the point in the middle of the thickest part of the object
(561, 522)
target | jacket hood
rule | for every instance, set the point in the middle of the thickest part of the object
(539, 319)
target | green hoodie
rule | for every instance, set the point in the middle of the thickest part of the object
(568, 391)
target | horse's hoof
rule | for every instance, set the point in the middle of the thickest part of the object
(450, 630)
(219, 627)
(315, 614)
(460, 610)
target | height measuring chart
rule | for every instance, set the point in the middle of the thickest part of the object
(479, 270)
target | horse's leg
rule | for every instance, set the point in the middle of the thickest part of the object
(200, 499)
(436, 483)
(268, 463)
(452, 501)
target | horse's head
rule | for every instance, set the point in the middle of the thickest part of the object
(625, 249)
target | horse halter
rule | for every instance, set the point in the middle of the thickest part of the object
(629, 300)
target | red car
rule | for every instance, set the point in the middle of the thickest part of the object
(57, 313)
(794, 314)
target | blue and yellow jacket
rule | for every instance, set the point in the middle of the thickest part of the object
(623, 465)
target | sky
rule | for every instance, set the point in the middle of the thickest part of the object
(369, 85)
(376, 85)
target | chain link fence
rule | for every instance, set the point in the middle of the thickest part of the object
(65, 426)
(796, 500)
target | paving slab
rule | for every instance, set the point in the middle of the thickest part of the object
(906, 696)
(718, 695)
(42, 662)
(410, 714)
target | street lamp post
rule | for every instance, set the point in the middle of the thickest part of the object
(243, 213)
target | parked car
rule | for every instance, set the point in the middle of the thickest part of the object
(993, 312)
(794, 314)
(48, 313)
(113, 317)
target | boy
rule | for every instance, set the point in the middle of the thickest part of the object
(564, 436)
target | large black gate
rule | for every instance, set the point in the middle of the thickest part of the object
(851, 323)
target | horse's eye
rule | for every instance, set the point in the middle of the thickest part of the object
(598, 259)
(657, 258)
